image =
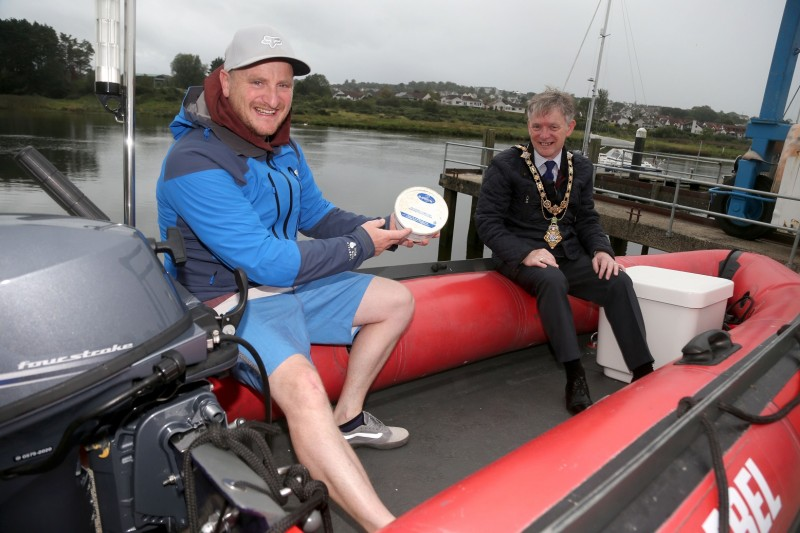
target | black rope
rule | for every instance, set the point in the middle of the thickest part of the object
(248, 443)
(311, 492)
(716, 449)
(761, 419)
(717, 461)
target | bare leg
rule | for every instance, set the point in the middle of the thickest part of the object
(384, 313)
(297, 388)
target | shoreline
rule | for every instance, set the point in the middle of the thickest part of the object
(460, 129)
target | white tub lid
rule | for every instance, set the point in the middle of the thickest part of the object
(675, 287)
(422, 210)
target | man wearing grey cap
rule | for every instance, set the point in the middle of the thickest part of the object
(240, 190)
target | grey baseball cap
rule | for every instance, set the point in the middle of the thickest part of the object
(258, 43)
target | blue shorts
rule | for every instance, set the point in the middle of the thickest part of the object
(287, 323)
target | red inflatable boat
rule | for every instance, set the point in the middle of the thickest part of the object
(652, 456)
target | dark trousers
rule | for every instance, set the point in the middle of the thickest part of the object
(551, 286)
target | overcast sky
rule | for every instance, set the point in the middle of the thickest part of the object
(679, 53)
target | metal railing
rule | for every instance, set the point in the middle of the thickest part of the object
(674, 206)
(482, 150)
(707, 169)
(677, 179)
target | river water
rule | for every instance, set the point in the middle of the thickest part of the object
(361, 171)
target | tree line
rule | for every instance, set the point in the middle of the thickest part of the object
(34, 59)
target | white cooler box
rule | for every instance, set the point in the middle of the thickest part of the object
(676, 307)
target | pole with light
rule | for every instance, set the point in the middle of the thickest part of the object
(115, 92)
(107, 79)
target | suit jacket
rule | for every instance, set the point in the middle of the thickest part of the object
(512, 222)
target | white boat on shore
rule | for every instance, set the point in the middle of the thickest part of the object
(619, 159)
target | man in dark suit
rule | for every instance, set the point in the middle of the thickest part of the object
(536, 213)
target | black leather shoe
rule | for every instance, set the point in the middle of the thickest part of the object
(577, 395)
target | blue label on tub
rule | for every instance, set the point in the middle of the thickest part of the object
(427, 198)
(418, 220)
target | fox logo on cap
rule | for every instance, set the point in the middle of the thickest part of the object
(272, 42)
(261, 43)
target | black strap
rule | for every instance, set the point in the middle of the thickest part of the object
(738, 311)
(730, 265)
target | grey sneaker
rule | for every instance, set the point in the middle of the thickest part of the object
(374, 434)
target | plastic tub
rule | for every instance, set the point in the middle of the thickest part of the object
(422, 210)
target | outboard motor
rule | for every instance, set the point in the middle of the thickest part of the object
(107, 420)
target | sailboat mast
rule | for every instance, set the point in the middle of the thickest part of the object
(590, 115)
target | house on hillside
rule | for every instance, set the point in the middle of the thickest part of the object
(465, 100)
(735, 130)
(417, 96)
(451, 100)
(338, 94)
(471, 101)
(503, 105)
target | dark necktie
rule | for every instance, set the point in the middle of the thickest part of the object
(549, 179)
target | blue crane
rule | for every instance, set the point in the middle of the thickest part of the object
(768, 131)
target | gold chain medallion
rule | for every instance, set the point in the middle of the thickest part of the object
(553, 236)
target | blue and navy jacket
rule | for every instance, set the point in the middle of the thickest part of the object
(238, 205)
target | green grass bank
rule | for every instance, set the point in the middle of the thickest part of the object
(407, 117)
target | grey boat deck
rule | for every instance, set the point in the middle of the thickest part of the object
(461, 420)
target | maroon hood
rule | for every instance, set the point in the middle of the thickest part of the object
(222, 113)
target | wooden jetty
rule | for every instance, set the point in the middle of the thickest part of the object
(627, 221)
